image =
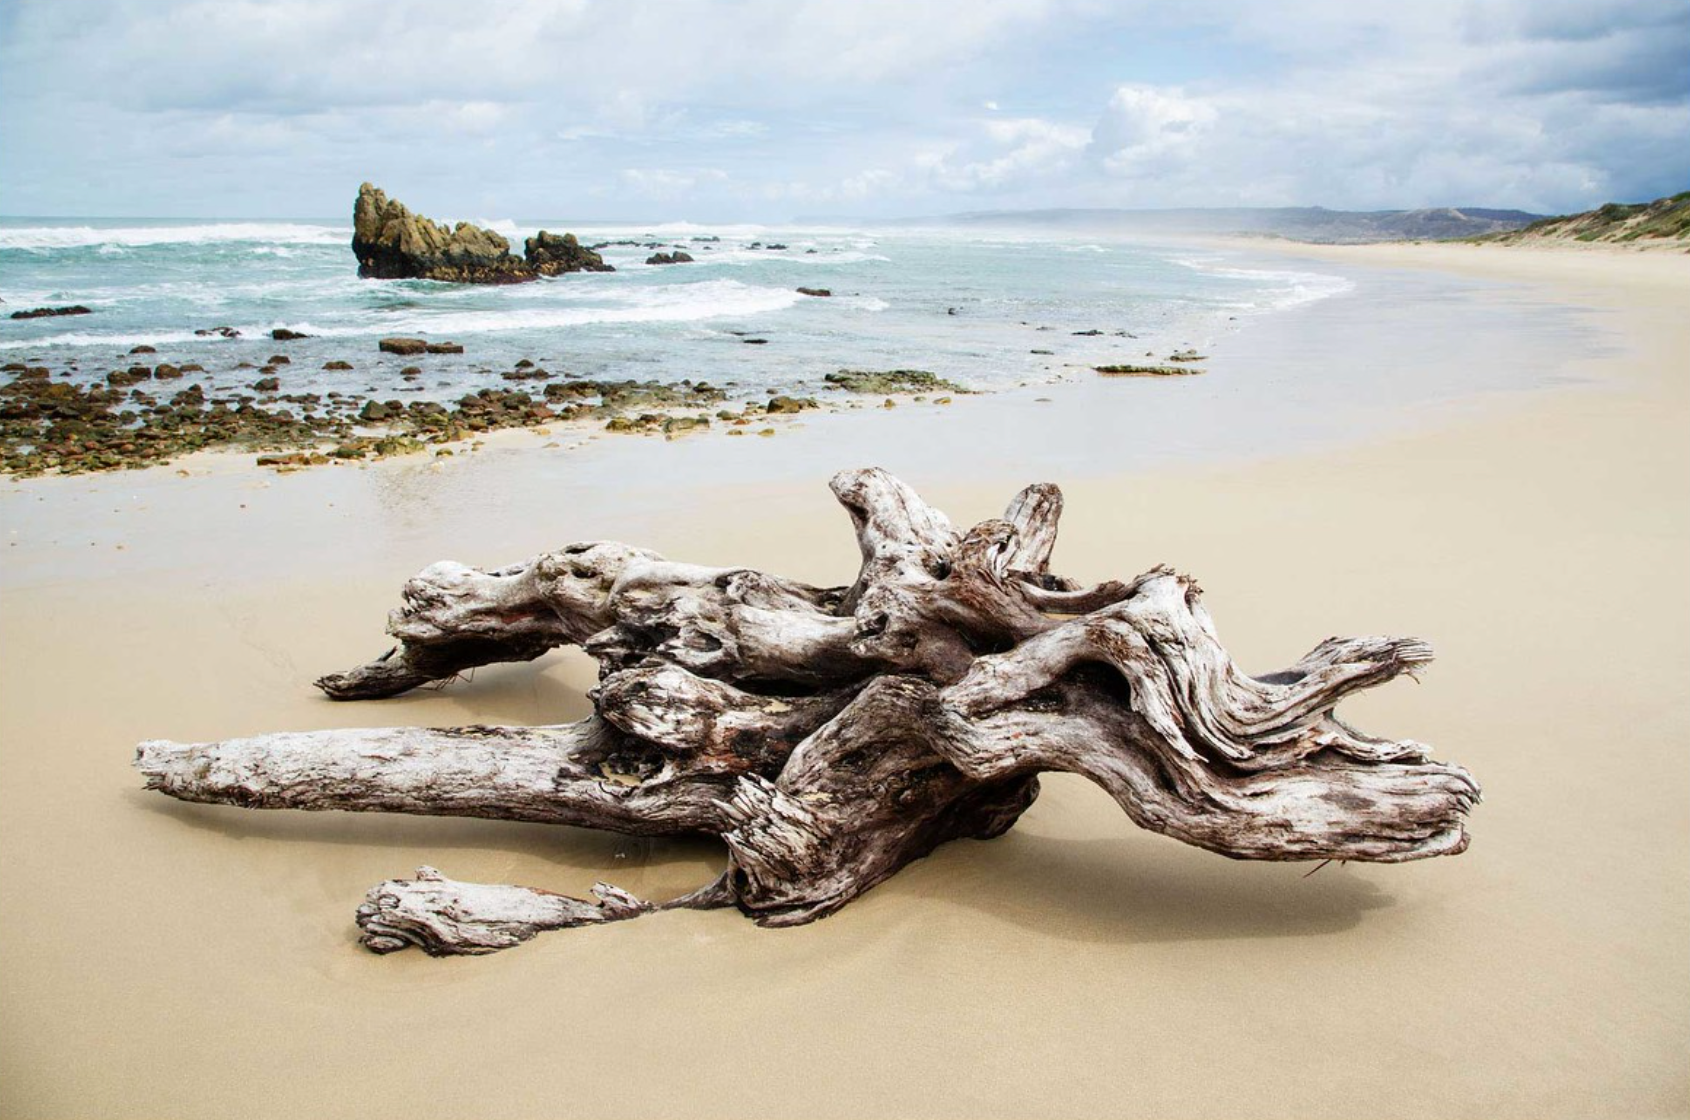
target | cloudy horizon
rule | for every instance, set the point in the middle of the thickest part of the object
(763, 111)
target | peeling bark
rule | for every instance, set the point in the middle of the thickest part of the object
(829, 736)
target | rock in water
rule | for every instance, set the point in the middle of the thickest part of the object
(548, 255)
(392, 243)
(50, 312)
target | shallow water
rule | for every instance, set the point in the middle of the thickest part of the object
(976, 309)
(1394, 350)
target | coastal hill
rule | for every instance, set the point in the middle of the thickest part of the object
(1296, 223)
(1663, 220)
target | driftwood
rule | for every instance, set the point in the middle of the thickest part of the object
(829, 736)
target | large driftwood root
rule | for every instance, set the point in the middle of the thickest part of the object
(830, 736)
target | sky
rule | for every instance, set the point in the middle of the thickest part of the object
(771, 110)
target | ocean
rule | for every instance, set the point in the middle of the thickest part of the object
(987, 310)
(1307, 352)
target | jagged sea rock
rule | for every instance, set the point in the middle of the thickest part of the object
(550, 255)
(51, 312)
(392, 243)
(677, 257)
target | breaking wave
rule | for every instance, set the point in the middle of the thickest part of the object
(43, 238)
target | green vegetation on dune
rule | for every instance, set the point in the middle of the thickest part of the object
(1617, 222)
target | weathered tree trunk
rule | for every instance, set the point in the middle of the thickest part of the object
(829, 736)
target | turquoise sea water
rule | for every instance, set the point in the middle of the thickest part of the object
(1306, 354)
(972, 307)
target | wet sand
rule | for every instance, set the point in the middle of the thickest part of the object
(166, 959)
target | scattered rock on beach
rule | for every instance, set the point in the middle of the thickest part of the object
(143, 349)
(282, 334)
(50, 312)
(445, 348)
(337, 365)
(129, 376)
(881, 382)
(291, 459)
(403, 346)
(1146, 371)
(815, 291)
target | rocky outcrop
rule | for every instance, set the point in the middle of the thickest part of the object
(51, 312)
(677, 257)
(409, 346)
(392, 243)
(548, 254)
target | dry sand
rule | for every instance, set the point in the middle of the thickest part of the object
(159, 959)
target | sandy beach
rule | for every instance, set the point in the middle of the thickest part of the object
(162, 959)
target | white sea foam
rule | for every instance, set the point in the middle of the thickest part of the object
(42, 238)
(671, 303)
(1280, 288)
(682, 229)
(764, 256)
(88, 338)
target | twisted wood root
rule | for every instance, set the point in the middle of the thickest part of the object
(829, 736)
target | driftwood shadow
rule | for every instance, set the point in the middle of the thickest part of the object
(1124, 890)
(1119, 890)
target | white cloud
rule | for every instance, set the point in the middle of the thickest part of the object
(1004, 153)
(666, 185)
(1143, 129)
(886, 105)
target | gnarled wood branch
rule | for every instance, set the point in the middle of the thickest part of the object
(830, 736)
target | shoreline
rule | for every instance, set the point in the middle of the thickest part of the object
(1537, 538)
(296, 418)
(1267, 395)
